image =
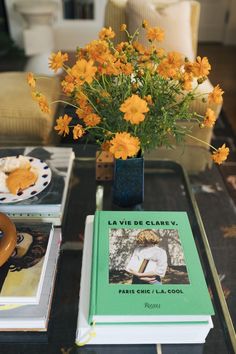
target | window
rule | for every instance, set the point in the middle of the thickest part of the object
(78, 9)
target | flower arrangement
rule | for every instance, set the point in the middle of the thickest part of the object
(128, 97)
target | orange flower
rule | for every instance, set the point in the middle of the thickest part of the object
(81, 98)
(216, 95)
(42, 101)
(121, 46)
(200, 67)
(188, 67)
(155, 34)
(151, 67)
(160, 52)
(126, 69)
(92, 119)
(165, 69)
(148, 98)
(78, 131)
(106, 33)
(109, 66)
(187, 81)
(63, 125)
(36, 95)
(209, 119)
(84, 110)
(123, 27)
(31, 80)
(68, 85)
(144, 58)
(57, 60)
(175, 59)
(144, 24)
(123, 145)
(134, 108)
(98, 50)
(220, 154)
(106, 145)
(43, 105)
(83, 71)
(139, 47)
(108, 70)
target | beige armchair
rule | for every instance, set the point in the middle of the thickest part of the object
(116, 13)
(21, 120)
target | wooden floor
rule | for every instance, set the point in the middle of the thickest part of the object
(223, 72)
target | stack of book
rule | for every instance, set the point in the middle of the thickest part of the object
(126, 301)
(27, 279)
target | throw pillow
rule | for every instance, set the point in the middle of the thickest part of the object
(174, 18)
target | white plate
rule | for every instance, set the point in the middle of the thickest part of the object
(44, 178)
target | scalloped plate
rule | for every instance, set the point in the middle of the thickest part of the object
(44, 178)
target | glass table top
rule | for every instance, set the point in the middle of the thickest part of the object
(197, 188)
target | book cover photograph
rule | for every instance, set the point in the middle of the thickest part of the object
(146, 256)
(21, 277)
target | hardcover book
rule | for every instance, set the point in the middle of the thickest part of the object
(15, 317)
(128, 303)
(47, 201)
(22, 276)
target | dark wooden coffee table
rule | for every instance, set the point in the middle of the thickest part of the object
(201, 192)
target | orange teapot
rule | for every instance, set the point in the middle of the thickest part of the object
(8, 239)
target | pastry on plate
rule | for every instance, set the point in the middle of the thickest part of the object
(12, 163)
(20, 179)
(3, 183)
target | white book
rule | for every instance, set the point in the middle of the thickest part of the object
(141, 265)
(22, 276)
(48, 204)
(34, 317)
(128, 333)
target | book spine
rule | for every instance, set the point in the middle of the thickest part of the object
(143, 266)
(93, 288)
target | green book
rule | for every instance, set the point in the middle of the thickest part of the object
(116, 307)
(146, 269)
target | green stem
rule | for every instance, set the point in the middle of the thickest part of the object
(104, 83)
(95, 108)
(66, 69)
(42, 77)
(65, 102)
(132, 37)
(201, 141)
(96, 80)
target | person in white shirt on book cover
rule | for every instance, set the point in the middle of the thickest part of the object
(148, 263)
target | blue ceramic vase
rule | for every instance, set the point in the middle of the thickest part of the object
(128, 182)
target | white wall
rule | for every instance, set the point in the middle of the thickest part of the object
(72, 33)
(15, 22)
(68, 34)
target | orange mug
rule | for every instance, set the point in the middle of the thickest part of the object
(8, 240)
